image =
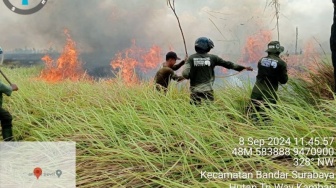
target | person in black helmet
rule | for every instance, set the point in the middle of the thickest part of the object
(200, 70)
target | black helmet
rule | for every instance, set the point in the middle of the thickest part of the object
(203, 45)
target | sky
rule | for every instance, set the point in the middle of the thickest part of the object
(108, 26)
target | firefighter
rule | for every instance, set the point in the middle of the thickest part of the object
(333, 43)
(166, 73)
(272, 70)
(5, 116)
(200, 70)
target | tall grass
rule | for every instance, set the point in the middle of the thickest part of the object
(321, 83)
(137, 137)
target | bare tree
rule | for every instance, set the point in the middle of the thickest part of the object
(172, 6)
(276, 5)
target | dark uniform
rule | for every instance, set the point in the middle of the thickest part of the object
(200, 70)
(166, 73)
(5, 116)
(272, 70)
(333, 43)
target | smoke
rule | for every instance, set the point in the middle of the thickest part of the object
(104, 27)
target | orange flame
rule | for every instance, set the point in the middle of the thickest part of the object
(67, 66)
(133, 59)
(255, 47)
(300, 65)
(126, 66)
(151, 59)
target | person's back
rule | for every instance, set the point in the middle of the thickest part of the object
(202, 74)
(272, 70)
(200, 70)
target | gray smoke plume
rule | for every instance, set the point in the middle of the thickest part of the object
(103, 27)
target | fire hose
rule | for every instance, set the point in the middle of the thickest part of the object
(235, 74)
(225, 76)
